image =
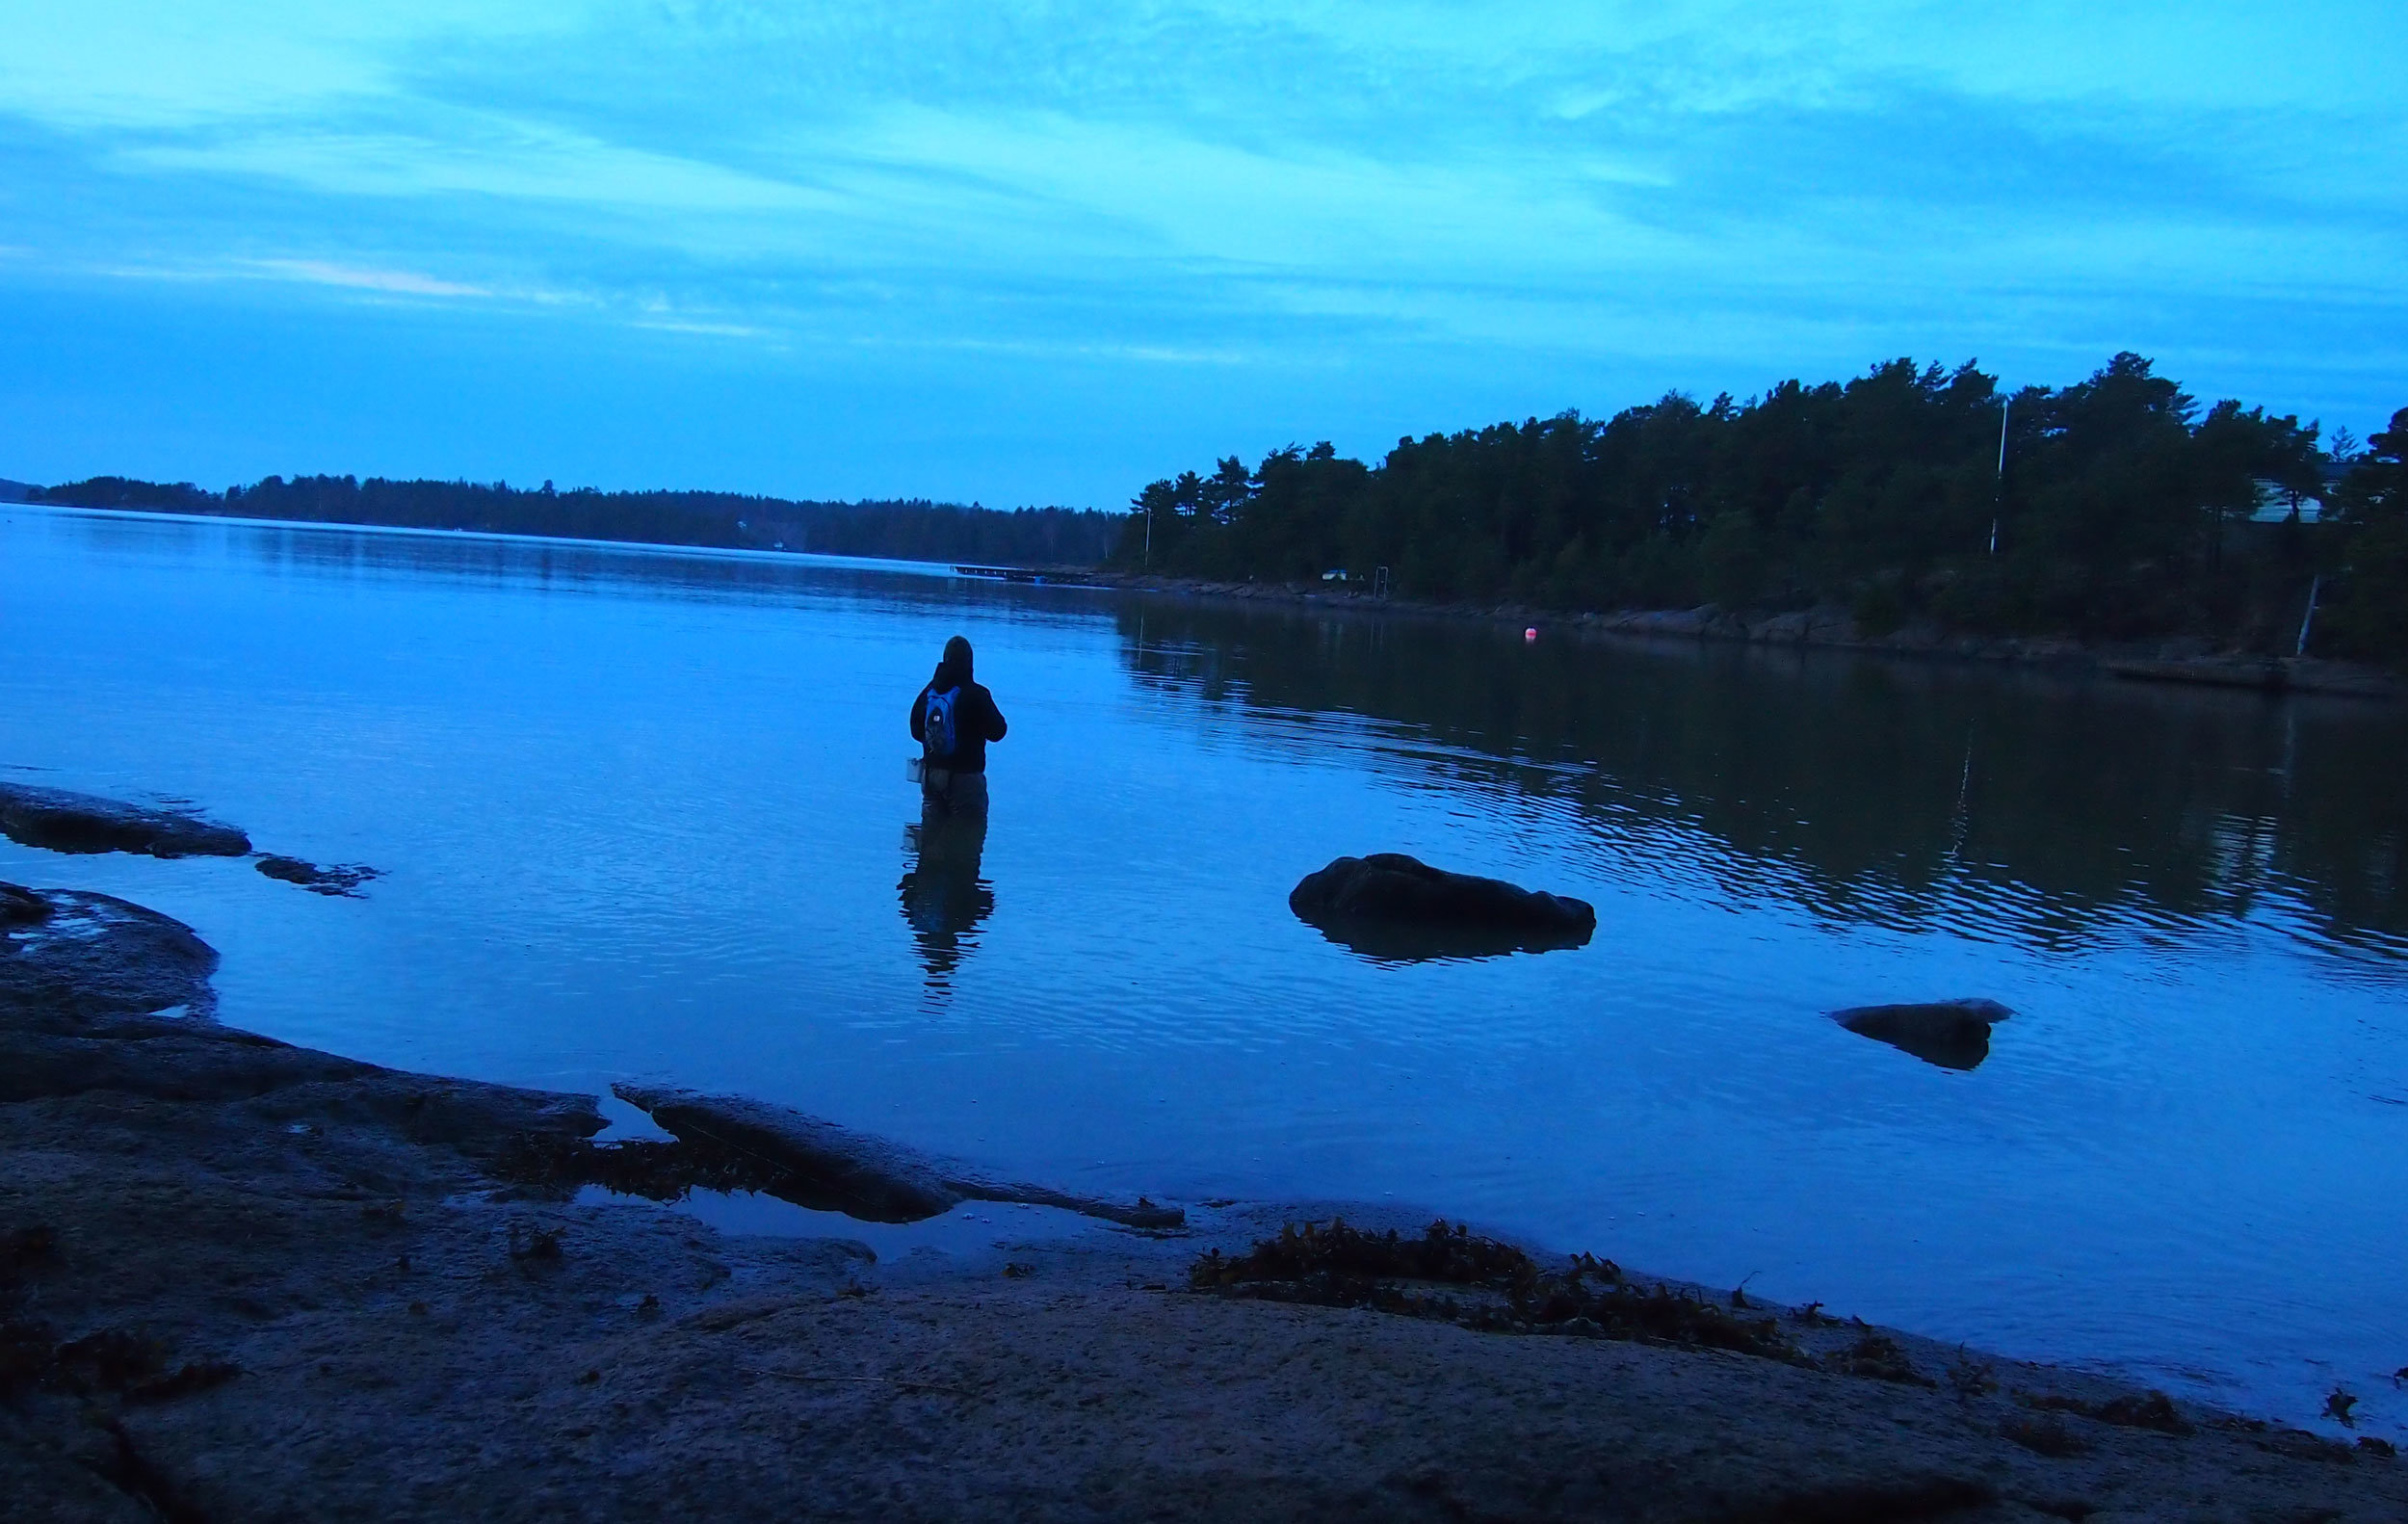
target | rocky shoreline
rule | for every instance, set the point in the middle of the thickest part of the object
(2186, 660)
(63, 821)
(244, 1280)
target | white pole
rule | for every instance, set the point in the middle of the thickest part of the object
(2006, 408)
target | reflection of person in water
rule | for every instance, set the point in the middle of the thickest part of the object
(943, 897)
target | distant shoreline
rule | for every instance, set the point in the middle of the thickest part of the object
(903, 529)
(2186, 661)
(2183, 661)
(169, 515)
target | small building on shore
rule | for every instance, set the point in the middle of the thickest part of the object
(2277, 504)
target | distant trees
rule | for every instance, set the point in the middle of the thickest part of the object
(2116, 514)
(120, 492)
(2122, 512)
(910, 529)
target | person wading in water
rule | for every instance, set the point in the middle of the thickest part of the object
(952, 720)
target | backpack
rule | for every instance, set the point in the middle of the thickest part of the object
(938, 730)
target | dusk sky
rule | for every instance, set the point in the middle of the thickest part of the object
(1044, 252)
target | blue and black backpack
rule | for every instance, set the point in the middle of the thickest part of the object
(938, 730)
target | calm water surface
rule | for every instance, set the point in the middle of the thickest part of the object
(643, 814)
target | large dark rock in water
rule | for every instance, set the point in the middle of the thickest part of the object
(833, 1169)
(59, 820)
(1389, 906)
(1952, 1034)
(341, 880)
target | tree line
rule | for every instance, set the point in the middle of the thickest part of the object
(905, 530)
(2122, 509)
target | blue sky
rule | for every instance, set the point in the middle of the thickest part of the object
(1043, 252)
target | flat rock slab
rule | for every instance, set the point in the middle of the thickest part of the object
(1952, 1034)
(410, 1343)
(830, 1168)
(101, 996)
(88, 956)
(1399, 908)
(57, 820)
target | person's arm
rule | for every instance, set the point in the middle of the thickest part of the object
(920, 715)
(994, 717)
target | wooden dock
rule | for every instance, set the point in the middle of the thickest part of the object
(1038, 576)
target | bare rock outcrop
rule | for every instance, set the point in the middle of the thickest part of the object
(830, 1168)
(82, 956)
(98, 994)
(57, 820)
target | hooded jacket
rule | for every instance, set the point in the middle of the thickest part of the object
(975, 719)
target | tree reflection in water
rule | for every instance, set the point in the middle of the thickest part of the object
(2004, 803)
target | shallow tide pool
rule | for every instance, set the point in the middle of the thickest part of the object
(643, 813)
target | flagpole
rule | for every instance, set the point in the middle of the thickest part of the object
(1998, 493)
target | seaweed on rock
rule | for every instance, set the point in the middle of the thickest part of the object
(2153, 1411)
(1505, 1290)
(657, 1170)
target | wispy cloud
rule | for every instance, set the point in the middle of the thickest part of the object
(1509, 200)
(505, 159)
(398, 283)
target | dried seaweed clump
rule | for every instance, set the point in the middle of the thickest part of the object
(1876, 1355)
(2045, 1434)
(1499, 1288)
(2153, 1412)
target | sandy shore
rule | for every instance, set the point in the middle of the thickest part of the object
(246, 1282)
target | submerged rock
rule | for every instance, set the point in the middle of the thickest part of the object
(828, 1167)
(1952, 1034)
(57, 820)
(1390, 906)
(336, 878)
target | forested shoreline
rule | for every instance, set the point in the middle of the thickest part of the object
(904, 529)
(2123, 510)
(2114, 509)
